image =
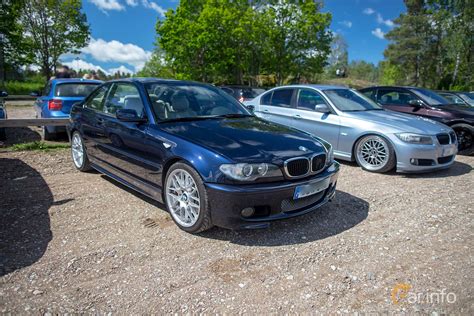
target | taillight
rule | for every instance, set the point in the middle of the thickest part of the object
(55, 105)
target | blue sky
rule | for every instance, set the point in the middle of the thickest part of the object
(123, 31)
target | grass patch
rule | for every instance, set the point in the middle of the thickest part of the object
(19, 87)
(38, 145)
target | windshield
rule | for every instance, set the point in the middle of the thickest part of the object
(452, 98)
(348, 100)
(468, 97)
(431, 97)
(192, 101)
(74, 89)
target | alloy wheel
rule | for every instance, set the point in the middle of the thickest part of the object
(77, 150)
(373, 153)
(183, 199)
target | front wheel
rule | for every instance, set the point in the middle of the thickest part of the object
(374, 153)
(186, 199)
(465, 136)
(79, 153)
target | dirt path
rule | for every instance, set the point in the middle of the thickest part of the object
(78, 242)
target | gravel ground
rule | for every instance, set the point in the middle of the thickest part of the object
(79, 242)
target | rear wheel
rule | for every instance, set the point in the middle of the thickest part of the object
(47, 135)
(79, 153)
(465, 136)
(186, 199)
(374, 153)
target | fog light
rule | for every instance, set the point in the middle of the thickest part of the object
(247, 212)
(414, 161)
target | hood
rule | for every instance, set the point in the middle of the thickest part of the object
(396, 122)
(247, 139)
(459, 110)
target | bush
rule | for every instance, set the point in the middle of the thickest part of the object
(18, 87)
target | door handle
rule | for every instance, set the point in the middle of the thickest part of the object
(297, 116)
(265, 110)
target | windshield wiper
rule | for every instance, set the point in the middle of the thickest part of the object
(234, 115)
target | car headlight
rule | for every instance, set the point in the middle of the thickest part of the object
(250, 171)
(415, 138)
(330, 156)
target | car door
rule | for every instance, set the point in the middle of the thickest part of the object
(399, 100)
(91, 122)
(277, 106)
(125, 148)
(306, 118)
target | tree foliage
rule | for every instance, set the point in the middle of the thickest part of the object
(53, 27)
(432, 44)
(237, 41)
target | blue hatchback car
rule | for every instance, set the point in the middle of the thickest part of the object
(58, 97)
(200, 152)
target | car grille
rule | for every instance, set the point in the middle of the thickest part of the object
(443, 139)
(297, 167)
(290, 205)
(318, 162)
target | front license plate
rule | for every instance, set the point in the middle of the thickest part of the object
(305, 190)
(448, 151)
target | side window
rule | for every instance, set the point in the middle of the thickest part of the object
(282, 97)
(96, 100)
(394, 97)
(124, 96)
(369, 94)
(265, 100)
(47, 89)
(308, 99)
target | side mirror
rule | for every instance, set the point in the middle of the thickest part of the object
(129, 115)
(35, 94)
(416, 103)
(321, 108)
(3, 94)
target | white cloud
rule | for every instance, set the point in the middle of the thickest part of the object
(106, 5)
(387, 22)
(115, 51)
(132, 3)
(152, 5)
(346, 23)
(121, 69)
(78, 64)
(368, 11)
(378, 33)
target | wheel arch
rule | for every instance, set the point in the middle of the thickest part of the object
(370, 134)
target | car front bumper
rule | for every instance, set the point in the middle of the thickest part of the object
(423, 158)
(271, 201)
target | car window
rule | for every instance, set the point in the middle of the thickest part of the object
(124, 96)
(368, 93)
(452, 98)
(74, 89)
(308, 99)
(348, 100)
(430, 97)
(282, 97)
(96, 100)
(265, 100)
(395, 97)
(191, 101)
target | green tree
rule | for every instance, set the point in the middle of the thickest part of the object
(360, 69)
(157, 66)
(54, 27)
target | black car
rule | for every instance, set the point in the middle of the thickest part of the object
(427, 103)
(457, 97)
(201, 153)
(243, 93)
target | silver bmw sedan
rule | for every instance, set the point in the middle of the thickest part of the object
(359, 129)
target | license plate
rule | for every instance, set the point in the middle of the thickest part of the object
(447, 151)
(305, 190)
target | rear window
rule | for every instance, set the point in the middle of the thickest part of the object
(74, 89)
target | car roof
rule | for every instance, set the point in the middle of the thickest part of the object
(314, 86)
(157, 80)
(393, 87)
(74, 80)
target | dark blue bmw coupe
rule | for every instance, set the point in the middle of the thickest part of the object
(201, 153)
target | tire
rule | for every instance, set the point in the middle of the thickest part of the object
(375, 154)
(185, 194)
(3, 135)
(77, 145)
(47, 135)
(465, 136)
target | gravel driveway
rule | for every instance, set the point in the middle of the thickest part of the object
(79, 242)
